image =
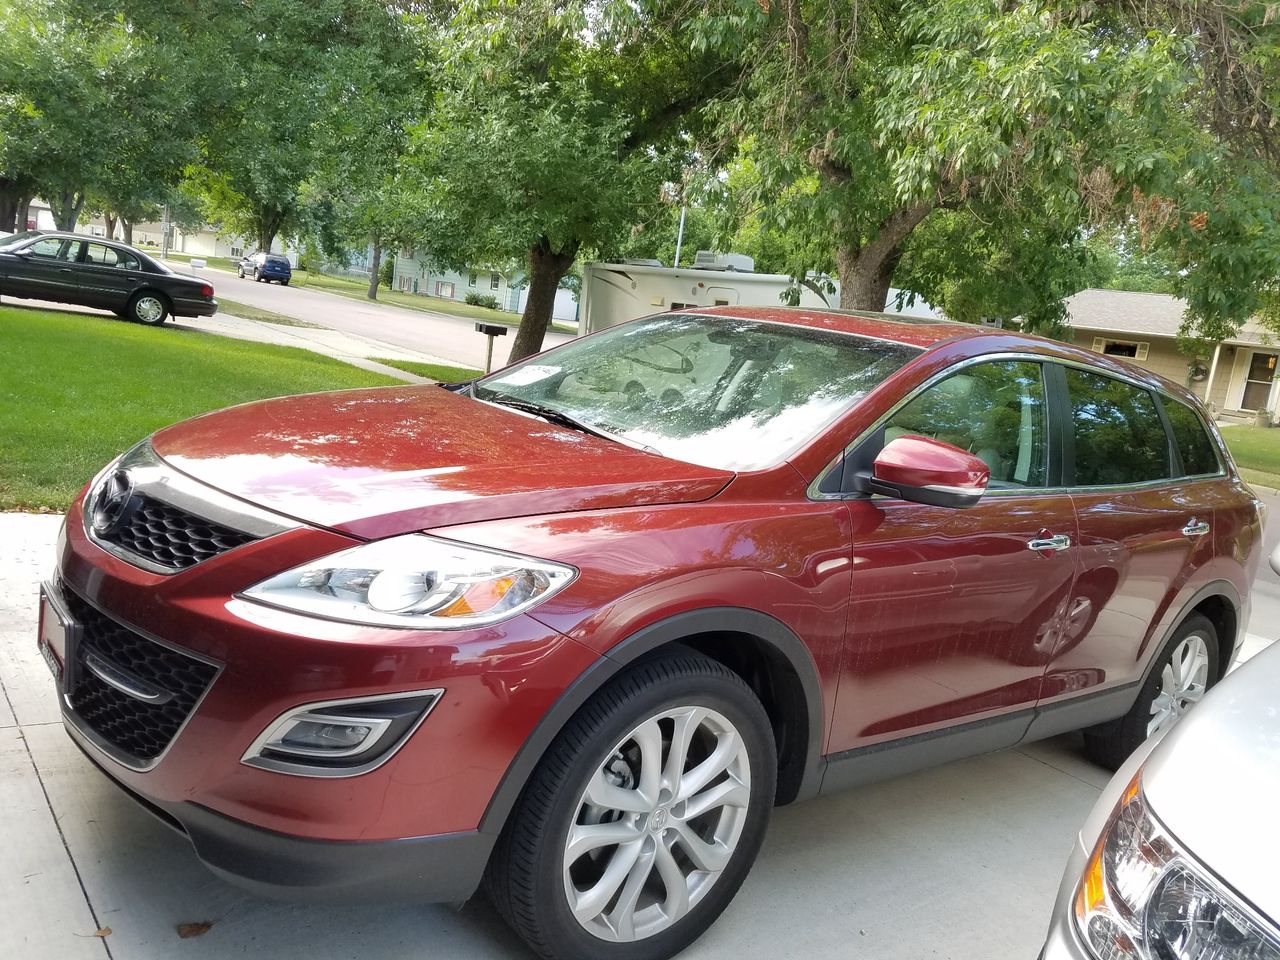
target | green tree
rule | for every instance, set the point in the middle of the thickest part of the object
(863, 122)
(555, 128)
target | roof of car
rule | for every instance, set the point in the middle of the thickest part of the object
(914, 331)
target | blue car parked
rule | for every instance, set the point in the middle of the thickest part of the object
(266, 266)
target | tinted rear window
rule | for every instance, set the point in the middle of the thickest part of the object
(278, 261)
(1119, 436)
(1198, 452)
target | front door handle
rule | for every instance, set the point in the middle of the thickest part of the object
(1056, 543)
(1195, 528)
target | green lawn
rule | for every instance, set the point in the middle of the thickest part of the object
(1256, 452)
(77, 389)
(432, 371)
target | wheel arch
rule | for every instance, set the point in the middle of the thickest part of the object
(1220, 602)
(772, 660)
(156, 292)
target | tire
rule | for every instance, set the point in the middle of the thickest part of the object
(240, 273)
(1175, 685)
(149, 307)
(530, 879)
(256, 277)
(284, 283)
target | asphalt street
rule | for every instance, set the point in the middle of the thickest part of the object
(451, 338)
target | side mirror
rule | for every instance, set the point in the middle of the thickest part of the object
(927, 471)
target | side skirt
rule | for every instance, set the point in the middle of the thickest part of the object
(882, 761)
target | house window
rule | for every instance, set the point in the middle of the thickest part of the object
(1121, 348)
(471, 279)
(494, 281)
(237, 251)
(444, 289)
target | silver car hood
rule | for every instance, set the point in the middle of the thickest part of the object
(1214, 780)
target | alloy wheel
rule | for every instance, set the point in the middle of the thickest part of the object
(657, 824)
(1183, 682)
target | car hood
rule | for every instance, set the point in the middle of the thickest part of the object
(375, 463)
(1214, 779)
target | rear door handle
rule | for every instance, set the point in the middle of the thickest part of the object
(1056, 543)
(1195, 528)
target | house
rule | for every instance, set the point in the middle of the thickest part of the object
(508, 287)
(1238, 375)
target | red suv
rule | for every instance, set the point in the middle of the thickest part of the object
(572, 629)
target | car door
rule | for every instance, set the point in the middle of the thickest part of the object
(1142, 531)
(955, 612)
(107, 275)
(45, 270)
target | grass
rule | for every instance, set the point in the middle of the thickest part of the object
(432, 371)
(1256, 451)
(248, 312)
(77, 389)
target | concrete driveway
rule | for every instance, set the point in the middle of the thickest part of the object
(438, 334)
(962, 861)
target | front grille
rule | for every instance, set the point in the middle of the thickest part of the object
(138, 729)
(170, 536)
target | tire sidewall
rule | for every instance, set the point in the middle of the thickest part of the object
(726, 698)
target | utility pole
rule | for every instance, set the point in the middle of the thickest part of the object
(165, 229)
(680, 235)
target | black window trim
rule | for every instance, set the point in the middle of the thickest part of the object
(827, 485)
(1173, 440)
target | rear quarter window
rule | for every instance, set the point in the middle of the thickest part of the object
(1119, 436)
(1195, 446)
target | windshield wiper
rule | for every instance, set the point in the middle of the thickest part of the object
(552, 415)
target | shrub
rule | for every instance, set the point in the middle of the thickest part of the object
(481, 300)
(387, 272)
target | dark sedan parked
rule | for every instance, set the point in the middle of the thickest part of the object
(266, 266)
(94, 272)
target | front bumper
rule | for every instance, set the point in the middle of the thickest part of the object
(1063, 942)
(436, 869)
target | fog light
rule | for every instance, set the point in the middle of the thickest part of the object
(340, 738)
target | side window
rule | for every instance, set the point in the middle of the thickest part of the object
(1199, 454)
(1119, 436)
(55, 248)
(995, 410)
(100, 256)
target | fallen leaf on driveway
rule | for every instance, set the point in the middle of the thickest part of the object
(188, 930)
(102, 932)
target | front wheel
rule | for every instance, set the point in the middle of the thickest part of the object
(149, 308)
(1184, 671)
(240, 273)
(643, 818)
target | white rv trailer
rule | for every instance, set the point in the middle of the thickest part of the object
(614, 293)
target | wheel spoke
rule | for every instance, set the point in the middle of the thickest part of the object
(585, 837)
(648, 738)
(711, 857)
(677, 903)
(686, 725)
(727, 747)
(590, 904)
(613, 797)
(623, 916)
(731, 792)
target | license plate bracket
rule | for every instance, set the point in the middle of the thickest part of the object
(58, 632)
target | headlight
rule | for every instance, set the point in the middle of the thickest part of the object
(1143, 898)
(415, 581)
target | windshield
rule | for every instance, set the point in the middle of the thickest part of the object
(717, 391)
(18, 238)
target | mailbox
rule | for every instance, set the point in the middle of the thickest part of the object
(490, 330)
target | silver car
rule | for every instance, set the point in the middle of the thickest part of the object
(1180, 859)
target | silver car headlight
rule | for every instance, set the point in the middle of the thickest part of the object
(1143, 898)
(415, 581)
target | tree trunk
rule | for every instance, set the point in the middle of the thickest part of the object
(24, 207)
(866, 270)
(110, 219)
(127, 229)
(546, 269)
(66, 206)
(9, 211)
(374, 264)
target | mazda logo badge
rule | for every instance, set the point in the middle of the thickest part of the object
(112, 503)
